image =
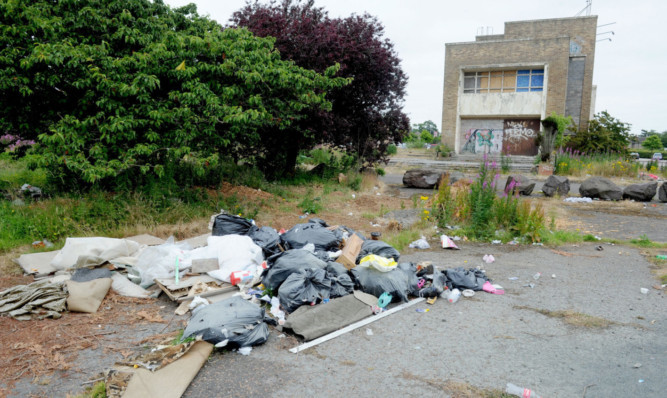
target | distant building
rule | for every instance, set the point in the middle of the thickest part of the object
(499, 87)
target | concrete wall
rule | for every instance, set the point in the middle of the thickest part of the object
(501, 104)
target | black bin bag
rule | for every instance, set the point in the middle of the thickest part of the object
(286, 263)
(307, 286)
(267, 238)
(435, 286)
(341, 282)
(462, 278)
(227, 224)
(234, 319)
(378, 247)
(302, 234)
(400, 282)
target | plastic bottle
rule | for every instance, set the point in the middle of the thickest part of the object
(537, 276)
(454, 296)
(520, 391)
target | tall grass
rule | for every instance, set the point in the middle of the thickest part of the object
(574, 163)
(483, 214)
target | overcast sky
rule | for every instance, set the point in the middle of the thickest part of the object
(629, 70)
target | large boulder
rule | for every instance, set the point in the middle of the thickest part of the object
(455, 176)
(640, 192)
(421, 178)
(556, 185)
(662, 192)
(600, 187)
(521, 184)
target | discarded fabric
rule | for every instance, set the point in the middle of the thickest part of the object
(41, 299)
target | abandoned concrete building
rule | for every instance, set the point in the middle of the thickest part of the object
(499, 87)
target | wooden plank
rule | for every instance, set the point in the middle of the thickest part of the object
(354, 326)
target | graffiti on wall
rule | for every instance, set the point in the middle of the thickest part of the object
(483, 141)
(516, 137)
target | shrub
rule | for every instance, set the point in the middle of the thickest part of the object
(392, 149)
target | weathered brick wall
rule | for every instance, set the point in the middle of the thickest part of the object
(491, 54)
(538, 41)
(583, 30)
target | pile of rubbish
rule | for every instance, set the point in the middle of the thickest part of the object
(313, 279)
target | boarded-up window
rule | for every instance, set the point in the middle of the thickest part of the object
(503, 81)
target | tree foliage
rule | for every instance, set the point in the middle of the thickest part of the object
(604, 134)
(366, 115)
(428, 125)
(653, 142)
(118, 90)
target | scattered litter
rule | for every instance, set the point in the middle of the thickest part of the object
(488, 258)
(41, 299)
(42, 243)
(379, 263)
(530, 285)
(553, 276)
(431, 300)
(447, 243)
(87, 296)
(597, 237)
(661, 257)
(513, 242)
(496, 242)
(637, 365)
(640, 380)
(245, 350)
(599, 248)
(520, 391)
(468, 293)
(422, 310)
(454, 296)
(513, 278)
(456, 238)
(489, 288)
(537, 276)
(578, 200)
(421, 243)
(369, 332)
(643, 290)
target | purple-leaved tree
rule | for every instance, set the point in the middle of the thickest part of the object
(367, 115)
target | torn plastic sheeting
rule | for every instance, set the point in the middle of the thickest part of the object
(400, 282)
(234, 253)
(39, 300)
(235, 320)
(341, 283)
(379, 248)
(313, 322)
(287, 263)
(227, 224)
(83, 252)
(302, 234)
(309, 286)
(160, 261)
(462, 278)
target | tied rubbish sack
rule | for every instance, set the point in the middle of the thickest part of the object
(399, 283)
(312, 232)
(462, 278)
(379, 248)
(287, 263)
(341, 283)
(306, 286)
(227, 224)
(267, 238)
(233, 321)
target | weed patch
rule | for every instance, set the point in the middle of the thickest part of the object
(573, 318)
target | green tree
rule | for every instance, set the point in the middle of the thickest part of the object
(653, 142)
(604, 134)
(121, 90)
(428, 126)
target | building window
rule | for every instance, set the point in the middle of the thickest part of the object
(503, 81)
(529, 80)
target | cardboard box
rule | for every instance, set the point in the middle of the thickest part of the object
(350, 252)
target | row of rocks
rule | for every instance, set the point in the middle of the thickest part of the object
(593, 187)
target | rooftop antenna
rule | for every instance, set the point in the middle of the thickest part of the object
(587, 9)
